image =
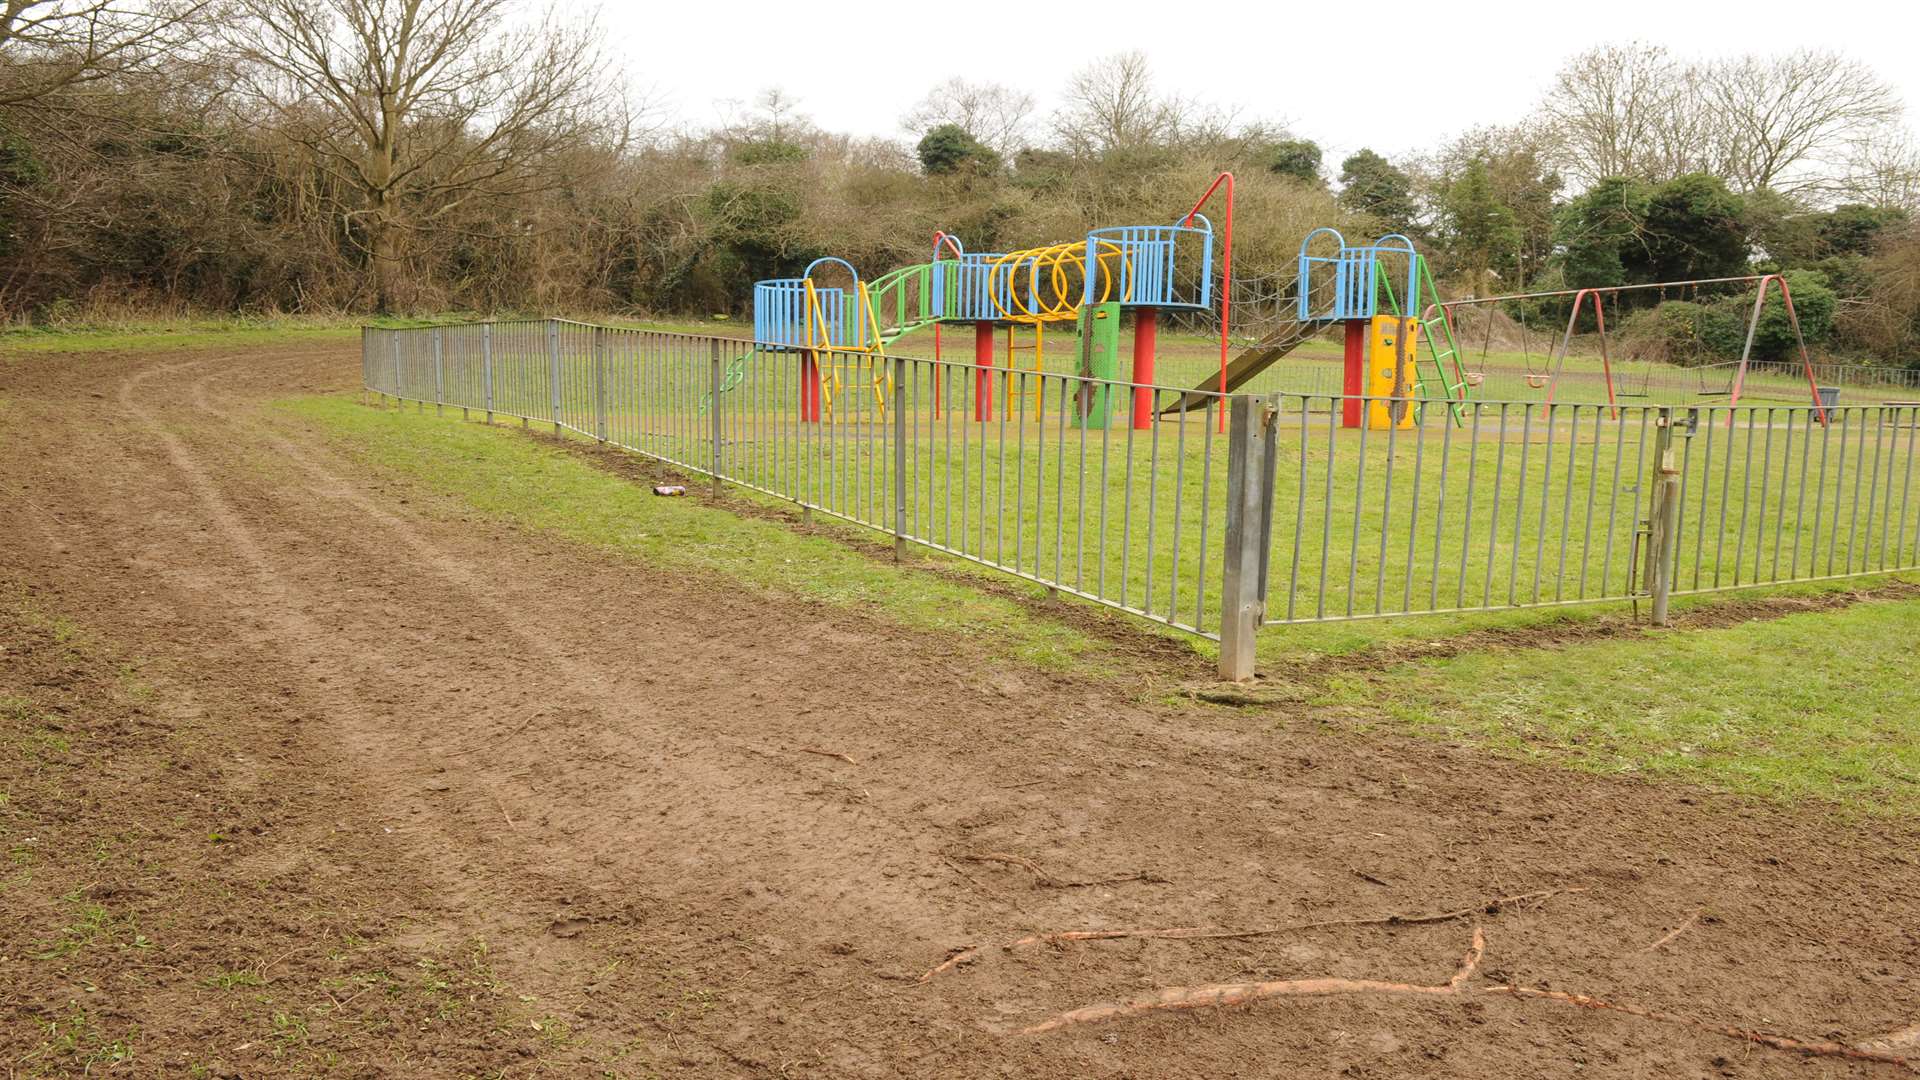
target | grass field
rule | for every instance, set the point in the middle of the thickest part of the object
(1506, 507)
(1801, 706)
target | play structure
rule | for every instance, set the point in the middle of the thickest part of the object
(1401, 354)
(1550, 375)
(841, 331)
(1383, 326)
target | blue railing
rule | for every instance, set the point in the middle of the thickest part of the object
(1355, 289)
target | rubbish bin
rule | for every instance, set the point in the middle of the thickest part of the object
(1829, 398)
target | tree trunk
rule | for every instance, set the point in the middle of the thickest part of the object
(389, 262)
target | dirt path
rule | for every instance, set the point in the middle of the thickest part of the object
(601, 771)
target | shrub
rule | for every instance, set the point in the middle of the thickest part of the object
(1725, 328)
(1670, 333)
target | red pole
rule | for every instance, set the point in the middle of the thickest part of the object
(1355, 385)
(939, 373)
(1226, 279)
(809, 387)
(1606, 362)
(1146, 332)
(983, 371)
(1806, 361)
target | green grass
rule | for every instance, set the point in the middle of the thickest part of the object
(1822, 705)
(1513, 511)
(228, 331)
(497, 472)
(22, 342)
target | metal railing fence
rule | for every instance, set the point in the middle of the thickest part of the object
(1038, 475)
(1524, 505)
(1105, 489)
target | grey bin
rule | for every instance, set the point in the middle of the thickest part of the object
(1829, 398)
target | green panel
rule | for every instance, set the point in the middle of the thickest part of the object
(1099, 328)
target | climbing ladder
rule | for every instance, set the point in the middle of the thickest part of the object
(1436, 327)
(1358, 283)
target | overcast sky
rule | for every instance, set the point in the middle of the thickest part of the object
(856, 65)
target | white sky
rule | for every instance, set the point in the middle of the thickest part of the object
(856, 65)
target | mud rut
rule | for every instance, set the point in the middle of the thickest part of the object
(561, 750)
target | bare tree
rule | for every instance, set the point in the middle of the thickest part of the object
(422, 106)
(1773, 116)
(1883, 169)
(1112, 104)
(998, 116)
(54, 45)
(1621, 110)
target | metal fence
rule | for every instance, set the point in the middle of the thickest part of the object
(1524, 505)
(1133, 496)
(1038, 475)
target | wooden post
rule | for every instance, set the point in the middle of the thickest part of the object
(1664, 517)
(1251, 461)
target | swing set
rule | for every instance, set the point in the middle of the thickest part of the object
(1551, 371)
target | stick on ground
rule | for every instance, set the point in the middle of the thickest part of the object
(1675, 932)
(960, 956)
(1052, 882)
(1199, 933)
(1216, 995)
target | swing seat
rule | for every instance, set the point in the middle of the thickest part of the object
(1475, 378)
(1538, 381)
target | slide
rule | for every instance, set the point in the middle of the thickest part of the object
(1241, 369)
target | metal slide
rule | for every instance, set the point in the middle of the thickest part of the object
(1242, 369)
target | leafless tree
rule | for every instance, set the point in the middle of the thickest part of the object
(1775, 122)
(1112, 104)
(1883, 169)
(422, 106)
(996, 115)
(1774, 115)
(54, 45)
(1621, 110)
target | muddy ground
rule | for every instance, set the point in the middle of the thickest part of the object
(333, 778)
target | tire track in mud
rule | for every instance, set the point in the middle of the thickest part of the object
(683, 798)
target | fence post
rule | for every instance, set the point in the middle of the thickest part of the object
(899, 458)
(600, 383)
(714, 389)
(1663, 517)
(486, 364)
(398, 395)
(553, 373)
(1251, 460)
(439, 376)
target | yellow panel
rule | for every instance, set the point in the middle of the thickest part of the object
(1390, 371)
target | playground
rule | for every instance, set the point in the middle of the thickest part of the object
(1036, 429)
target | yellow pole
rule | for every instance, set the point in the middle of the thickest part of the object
(1040, 369)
